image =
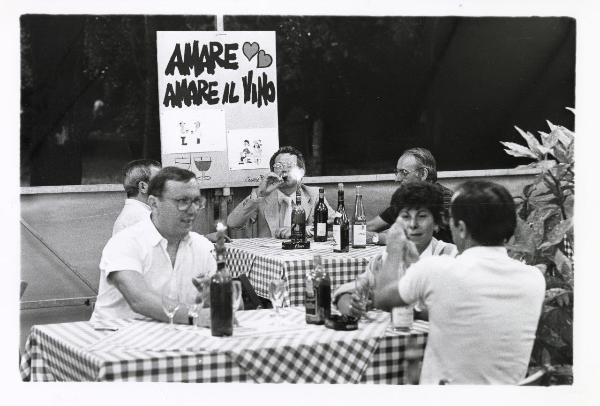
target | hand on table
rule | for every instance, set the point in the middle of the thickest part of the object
(349, 304)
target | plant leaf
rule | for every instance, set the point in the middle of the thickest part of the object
(518, 150)
(533, 144)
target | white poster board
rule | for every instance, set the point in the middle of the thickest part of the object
(218, 104)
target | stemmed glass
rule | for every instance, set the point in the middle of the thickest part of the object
(236, 296)
(170, 299)
(194, 300)
(362, 287)
(276, 294)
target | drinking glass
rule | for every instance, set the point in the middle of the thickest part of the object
(362, 287)
(276, 294)
(236, 296)
(194, 299)
(170, 299)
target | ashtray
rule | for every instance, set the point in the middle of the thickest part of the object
(340, 322)
(293, 245)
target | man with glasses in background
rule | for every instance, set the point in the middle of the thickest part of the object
(270, 205)
(414, 164)
(137, 262)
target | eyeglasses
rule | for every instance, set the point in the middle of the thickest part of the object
(186, 202)
(403, 173)
(287, 165)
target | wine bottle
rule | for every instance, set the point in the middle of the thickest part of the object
(359, 222)
(320, 218)
(323, 287)
(310, 292)
(298, 220)
(341, 226)
(221, 306)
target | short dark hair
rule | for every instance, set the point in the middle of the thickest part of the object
(487, 209)
(417, 194)
(135, 172)
(288, 150)
(157, 184)
(426, 159)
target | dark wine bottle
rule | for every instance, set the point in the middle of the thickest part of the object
(320, 218)
(221, 306)
(323, 286)
(341, 225)
(310, 291)
(298, 220)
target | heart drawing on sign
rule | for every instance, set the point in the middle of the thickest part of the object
(264, 60)
(250, 50)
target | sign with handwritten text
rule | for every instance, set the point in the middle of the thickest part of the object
(218, 103)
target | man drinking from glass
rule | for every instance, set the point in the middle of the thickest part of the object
(270, 205)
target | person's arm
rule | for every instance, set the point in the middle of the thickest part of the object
(377, 224)
(400, 253)
(141, 298)
(246, 210)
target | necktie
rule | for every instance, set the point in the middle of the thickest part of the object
(285, 213)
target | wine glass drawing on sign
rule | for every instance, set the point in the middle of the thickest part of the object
(203, 163)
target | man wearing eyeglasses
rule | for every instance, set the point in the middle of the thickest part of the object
(270, 205)
(414, 164)
(136, 176)
(137, 262)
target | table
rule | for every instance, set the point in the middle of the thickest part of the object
(263, 259)
(286, 350)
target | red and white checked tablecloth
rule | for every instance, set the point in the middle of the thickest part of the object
(291, 352)
(263, 259)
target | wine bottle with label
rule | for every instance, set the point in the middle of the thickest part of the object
(320, 218)
(298, 220)
(359, 222)
(310, 291)
(323, 293)
(221, 306)
(341, 226)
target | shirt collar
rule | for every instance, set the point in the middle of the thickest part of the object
(136, 202)
(485, 251)
(428, 251)
(281, 197)
(151, 234)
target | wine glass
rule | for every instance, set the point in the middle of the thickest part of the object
(194, 299)
(170, 299)
(236, 296)
(276, 294)
(362, 287)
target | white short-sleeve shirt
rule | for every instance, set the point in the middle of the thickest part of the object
(141, 248)
(484, 309)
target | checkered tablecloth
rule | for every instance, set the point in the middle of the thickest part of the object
(263, 259)
(291, 351)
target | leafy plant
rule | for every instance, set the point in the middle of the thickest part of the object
(544, 238)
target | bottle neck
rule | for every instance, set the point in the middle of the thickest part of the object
(340, 198)
(359, 210)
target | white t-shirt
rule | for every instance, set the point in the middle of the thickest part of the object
(141, 248)
(133, 212)
(484, 309)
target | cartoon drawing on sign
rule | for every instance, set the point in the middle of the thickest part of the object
(257, 151)
(190, 132)
(203, 163)
(264, 60)
(245, 154)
